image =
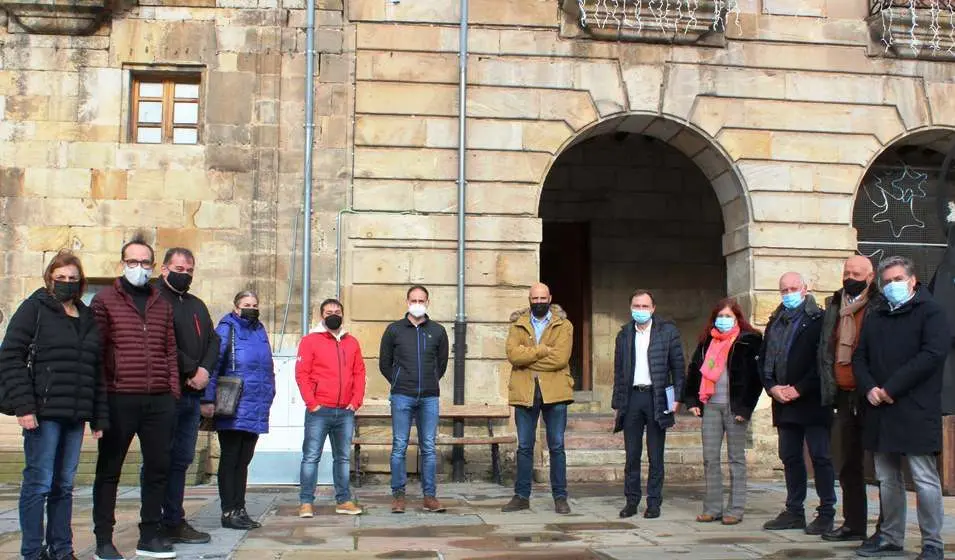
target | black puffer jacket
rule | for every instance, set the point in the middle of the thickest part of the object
(414, 359)
(744, 381)
(903, 351)
(69, 384)
(196, 338)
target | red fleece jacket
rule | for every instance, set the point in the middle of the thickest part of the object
(330, 371)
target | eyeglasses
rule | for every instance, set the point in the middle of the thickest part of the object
(133, 263)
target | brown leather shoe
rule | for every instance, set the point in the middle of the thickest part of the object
(433, 505)
(398, 504)
(561, 506)
(517, 503)
(730, 520)
(707, 518)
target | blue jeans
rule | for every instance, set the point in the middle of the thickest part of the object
(339, 424)
(181, 454)
(424, 411)
(52, 454)
(555, 421)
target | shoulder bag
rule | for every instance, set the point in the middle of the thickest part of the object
(229, 387)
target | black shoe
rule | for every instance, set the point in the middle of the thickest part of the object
(651, 512)
(819, 526)
(184, 533)
(785, 521)
(628, 510)
(244, 517)
(230, 520)
(106, 551)
(517, 503)
(879, 546)
(154, 547)
(843, 534)
(561, 506)
(931, 553)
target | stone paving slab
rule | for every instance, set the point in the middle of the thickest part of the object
(474, 527)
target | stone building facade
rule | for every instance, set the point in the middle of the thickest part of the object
(699, 158)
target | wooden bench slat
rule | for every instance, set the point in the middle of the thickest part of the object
(442, 440)
(447, 411)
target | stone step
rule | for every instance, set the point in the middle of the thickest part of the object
(11, 466)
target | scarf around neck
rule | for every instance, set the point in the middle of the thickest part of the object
(715, 361)
(847, 326)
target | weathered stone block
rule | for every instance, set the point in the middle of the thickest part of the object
(390, 131)
(11, 181)
(527, 167)
(443, 228)
(231, 108)
(382, 163)
(438, 11)
(217, 215)
(57, 183)
(415, 99)
(333, 68)
(812, 8)
(134, 213)
(486, 305)
(786, 207)
(146, 41)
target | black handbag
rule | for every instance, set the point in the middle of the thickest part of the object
(5, 407)
(228, 387)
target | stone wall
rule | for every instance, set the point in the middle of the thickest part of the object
(655, 224)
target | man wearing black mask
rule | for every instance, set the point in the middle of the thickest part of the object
(846, 311)
(198, 349)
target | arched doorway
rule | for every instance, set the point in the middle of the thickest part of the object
(638, 201)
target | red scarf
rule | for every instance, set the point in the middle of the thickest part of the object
(714, 363)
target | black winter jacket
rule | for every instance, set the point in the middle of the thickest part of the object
(744, 380)
(903, 351)
(69, 383)
(803, 373)
(196, 339)
(665, 357)
(414, 359)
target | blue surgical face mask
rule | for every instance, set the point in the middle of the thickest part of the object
(792, 300)
(896, 292)
(641, 316)
(724, 324)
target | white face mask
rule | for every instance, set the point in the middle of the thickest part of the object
(417, 310)
(137, 276)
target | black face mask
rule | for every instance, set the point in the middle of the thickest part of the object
(333, 322)
(179, 281)
(249, 314)
(540, 309)
(65, 291)
(854, 287)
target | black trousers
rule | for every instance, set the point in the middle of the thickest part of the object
(152, 418)
(638, 419)
(236, 450)
(849, 424)
(817, 439)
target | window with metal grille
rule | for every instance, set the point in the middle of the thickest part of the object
(896, 211)
(165, 109)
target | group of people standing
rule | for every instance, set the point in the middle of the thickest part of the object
(869, 362)
(142, 360)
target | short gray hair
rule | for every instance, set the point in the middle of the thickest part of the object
(244, 294)
(894, 261)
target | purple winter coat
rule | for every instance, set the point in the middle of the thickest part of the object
(253, 363)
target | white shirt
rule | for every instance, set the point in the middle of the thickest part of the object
(641, 343)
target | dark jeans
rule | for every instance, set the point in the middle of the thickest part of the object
(185, 434)
(555, 423)
(51, 454)
(791, 438)
(152, 418)
(236, 451)
(339, 425)
(849, 425)
(425, 412)
(639, 418)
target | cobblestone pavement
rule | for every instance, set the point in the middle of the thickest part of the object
(473, 527)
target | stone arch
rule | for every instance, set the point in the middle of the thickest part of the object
(728, 183)
(896, 207)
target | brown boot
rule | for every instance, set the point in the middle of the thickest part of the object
(517, 503)
(398, 504)
(433, 505)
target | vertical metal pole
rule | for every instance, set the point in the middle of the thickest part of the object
(309, 146)
(460, 320)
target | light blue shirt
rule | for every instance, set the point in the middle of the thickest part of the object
(539, 325)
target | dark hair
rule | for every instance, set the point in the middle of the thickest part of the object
(138, 238)
(244, 294)
(744, 325)
(418, 287)
(179, 251)
(330, 301)
(641, 293)
(64, 257)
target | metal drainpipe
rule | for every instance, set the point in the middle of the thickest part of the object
(309, 141)
(460, 321)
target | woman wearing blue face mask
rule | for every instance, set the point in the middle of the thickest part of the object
(723, 375)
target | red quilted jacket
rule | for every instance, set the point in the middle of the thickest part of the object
(139, 356)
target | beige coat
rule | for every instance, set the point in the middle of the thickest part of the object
(531, 360)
